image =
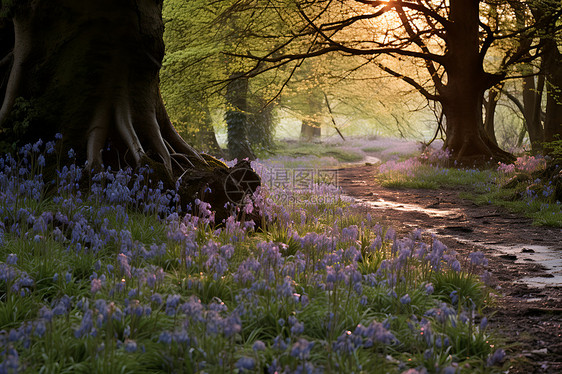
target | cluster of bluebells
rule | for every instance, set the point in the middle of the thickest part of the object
(301, 294)
(407, 167)
(436, 156)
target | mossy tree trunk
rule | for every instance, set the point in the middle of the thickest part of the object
(236, 118)
(89, 69)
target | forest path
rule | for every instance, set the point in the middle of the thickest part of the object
(525, 261)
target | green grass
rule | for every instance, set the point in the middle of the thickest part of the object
(153, 293)
(481, 186)
(303, 149)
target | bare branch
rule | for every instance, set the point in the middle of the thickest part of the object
(428, 95)
(410, 5)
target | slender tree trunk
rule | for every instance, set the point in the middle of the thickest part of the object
(553, 70)
(466, 83)
(237, 118)
(494, 94)
(6, 53)
(532, 98)
(532, 91)
(311, 126)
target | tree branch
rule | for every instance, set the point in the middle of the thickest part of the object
(428, 95)
(410, 5)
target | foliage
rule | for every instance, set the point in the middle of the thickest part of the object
(22, 117)
(118, 279)
(554, 150)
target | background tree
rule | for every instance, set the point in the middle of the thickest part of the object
(446, 39)
(197, 73)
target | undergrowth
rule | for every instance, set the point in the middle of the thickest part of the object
(120, 279)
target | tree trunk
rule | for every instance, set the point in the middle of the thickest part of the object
(237, 118)
(463, 93)
(89, 70)
(489, 121)
(532, 92)
(311, 126)
(197, 129)
(532, 97)
(310, 130)
(6, 55)
(553, 70)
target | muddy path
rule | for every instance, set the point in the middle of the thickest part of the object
(525, 261)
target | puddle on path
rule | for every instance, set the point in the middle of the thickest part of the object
(450, 213)
(549, 257)
(543, 255)
(371, 160)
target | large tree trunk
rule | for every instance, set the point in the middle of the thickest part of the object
(466, 84)
(89, 69)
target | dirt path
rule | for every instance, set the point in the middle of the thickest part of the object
(529, 309)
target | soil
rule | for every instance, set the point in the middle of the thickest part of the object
(526, 315)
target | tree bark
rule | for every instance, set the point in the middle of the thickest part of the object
(462, 95)
(494, 94)
(553, 70)
(311, 128)
(532, 91)
(237, 118)
(89, 70)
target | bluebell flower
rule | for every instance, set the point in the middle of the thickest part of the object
(429, 288)
(41, 161)
(297, 329)
(456, 266)
(483, 323)
(165, 337)
(301, 349)
(496, 357)
(245, 363)
(450, 370)
(14, 335)
(12, 259)
(478, 259)
(11, 362)
(181, 337)
(454, 297)
(86, 325)
(46, 314)
(40, 328)
(279, 343)
(405, 299)
(258, 346)
(95, 286)
(130, 346)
